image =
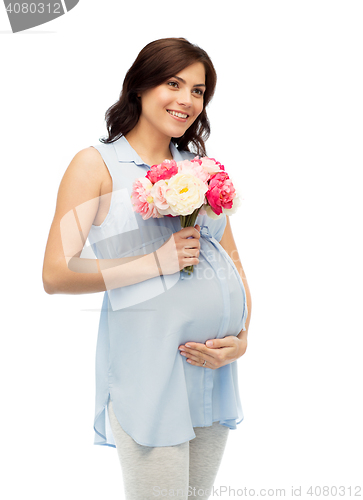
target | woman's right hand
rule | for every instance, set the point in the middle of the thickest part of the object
(181, 250)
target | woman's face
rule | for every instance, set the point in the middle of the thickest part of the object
(181, 94)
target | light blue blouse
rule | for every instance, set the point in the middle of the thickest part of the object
(157, 396)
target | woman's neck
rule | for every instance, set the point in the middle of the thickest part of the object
(150, 145)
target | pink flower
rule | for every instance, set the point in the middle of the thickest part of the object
(163, 171)
(158, 193)
(194, 168)
(142, 199)
(211, 165)
(221, 192)
(218, 163)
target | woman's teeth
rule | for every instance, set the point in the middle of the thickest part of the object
(180, 115)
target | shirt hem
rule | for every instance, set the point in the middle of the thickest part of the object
(231, 427)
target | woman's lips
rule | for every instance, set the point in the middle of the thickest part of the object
(178, 117)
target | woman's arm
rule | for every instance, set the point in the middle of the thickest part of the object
(77, 205)
(228, 243)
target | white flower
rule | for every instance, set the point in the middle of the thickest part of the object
(212, 214)
(185, 193)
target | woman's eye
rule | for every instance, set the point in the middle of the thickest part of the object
(176, 85)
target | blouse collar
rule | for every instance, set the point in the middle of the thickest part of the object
(125, 153)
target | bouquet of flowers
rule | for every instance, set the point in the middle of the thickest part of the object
(185, 189)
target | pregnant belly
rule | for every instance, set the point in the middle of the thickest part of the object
(201, 308)
(205, 305)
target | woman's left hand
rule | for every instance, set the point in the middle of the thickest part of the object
(217, 353)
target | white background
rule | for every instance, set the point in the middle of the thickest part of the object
(287, 124)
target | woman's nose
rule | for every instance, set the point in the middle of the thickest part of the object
(184, 99)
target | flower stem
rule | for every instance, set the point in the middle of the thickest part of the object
(189, 221)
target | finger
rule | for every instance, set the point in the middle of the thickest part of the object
(197, 356)
(202, 349)
(217, 343)
(198, 346)
(196, 361)
(195, 349)
(191, 232)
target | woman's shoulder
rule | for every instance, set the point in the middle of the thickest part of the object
(88, 164)
(89, 155)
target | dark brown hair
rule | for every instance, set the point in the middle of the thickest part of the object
(158, 61)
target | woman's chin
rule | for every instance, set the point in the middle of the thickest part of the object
(177, 134)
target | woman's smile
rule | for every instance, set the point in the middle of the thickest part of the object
(178, 115)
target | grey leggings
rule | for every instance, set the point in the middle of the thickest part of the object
(183, 471)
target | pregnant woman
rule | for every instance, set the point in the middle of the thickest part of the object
(168, 342)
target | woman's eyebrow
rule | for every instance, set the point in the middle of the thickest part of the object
(183, 81)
